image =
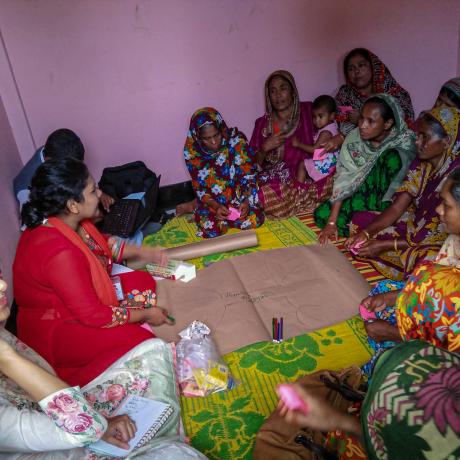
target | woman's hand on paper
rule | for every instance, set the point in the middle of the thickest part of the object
(273, 142)
(381, 331)
(353, 116)
(120, 430)
(222, 212)
(356, 240)
(157, 316)
(372, 248)
(320, 416)
(333, 144)
(328, 232)
(376, 302)
(244, 209)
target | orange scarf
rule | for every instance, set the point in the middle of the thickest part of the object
(101, 280)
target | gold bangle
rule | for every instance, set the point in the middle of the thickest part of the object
(368, 236)
(396, 245)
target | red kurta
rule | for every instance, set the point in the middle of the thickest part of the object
(60, 315)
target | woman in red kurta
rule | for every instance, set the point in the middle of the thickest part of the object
(68, 309)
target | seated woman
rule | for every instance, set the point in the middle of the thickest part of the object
(277, 137)
(410, 409)
(221, 165)
(449, 94)
(68, 309)
(66, 418)
(426, 306)
(408, 231)
(371, 165)
(365, 74)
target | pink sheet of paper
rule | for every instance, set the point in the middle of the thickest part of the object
(345, 108)
(234, 213)
(319, 154)
(354, 248)
(365, 313)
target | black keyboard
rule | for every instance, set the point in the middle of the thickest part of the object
(122, 217)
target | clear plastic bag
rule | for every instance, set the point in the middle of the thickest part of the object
(200, 369)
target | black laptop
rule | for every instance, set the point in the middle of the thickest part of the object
(127, 215)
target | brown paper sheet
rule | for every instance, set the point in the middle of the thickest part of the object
(309, 286)
(240, 240)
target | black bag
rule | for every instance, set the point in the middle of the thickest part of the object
(134, 177)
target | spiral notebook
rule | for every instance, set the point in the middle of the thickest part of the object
(149, 416)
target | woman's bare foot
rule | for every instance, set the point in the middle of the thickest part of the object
(185, 208)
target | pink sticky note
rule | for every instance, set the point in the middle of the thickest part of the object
(345, 108)
(147, 327)
(365, 313)
(234, 214)
(319, 154)
(355, 247)
(291, 398)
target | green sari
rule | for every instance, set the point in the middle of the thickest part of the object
(412, 407)
(367, 176)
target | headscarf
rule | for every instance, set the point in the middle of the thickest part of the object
(382, 83)
(449, 254)
(453, 85)
(293, 122)
(412, 408)
(449, 119)
(357, 156)
(194, 149)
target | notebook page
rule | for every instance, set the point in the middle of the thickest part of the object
(144, 412)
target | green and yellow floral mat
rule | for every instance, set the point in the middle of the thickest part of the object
(223, 426)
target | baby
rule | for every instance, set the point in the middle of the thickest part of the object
(321, 163)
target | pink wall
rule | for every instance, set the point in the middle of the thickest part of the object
(126, 75)
(10, 162)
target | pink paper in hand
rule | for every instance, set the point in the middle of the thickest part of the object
(291, 399)
(345, 108)
(234, 214)
(319, 154)
(355, 247)
(366, 315)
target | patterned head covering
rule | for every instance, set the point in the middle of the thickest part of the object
(411, 408)
(449, 119)
(382, 82)
(453, 85)
(294, 118)
(357, 156)
(204, 117)
(295, 114)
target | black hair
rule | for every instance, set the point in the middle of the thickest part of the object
(325, 101)
(454, 178)
(385, 110)
(64, 143)
(451, 96)
(363, 52)
(434, 124)
(54, 183)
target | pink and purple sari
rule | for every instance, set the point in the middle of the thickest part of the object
(279, 191)
(420, 224)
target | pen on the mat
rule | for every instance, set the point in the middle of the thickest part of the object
(282, 332)
(273, 328)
